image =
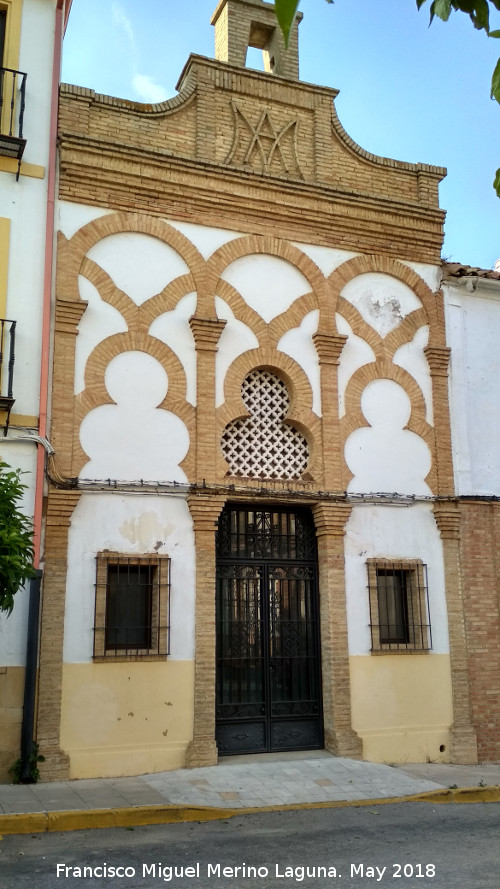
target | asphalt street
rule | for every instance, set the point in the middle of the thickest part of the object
(410, 844)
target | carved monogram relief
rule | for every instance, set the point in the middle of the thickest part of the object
(265, 145)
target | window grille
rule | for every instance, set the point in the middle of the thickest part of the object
(132, 606)
(263, 445)
(399, 606)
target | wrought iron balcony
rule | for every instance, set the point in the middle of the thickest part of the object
(7, 359)
(12, 101)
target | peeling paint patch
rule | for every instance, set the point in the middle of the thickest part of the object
(147, 531)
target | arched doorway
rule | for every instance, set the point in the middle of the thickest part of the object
(268, 664)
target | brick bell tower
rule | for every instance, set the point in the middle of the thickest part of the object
(240, 24)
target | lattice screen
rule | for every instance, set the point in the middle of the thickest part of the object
(262, 445)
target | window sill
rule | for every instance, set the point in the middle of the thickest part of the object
(127, 658)
(378, 651)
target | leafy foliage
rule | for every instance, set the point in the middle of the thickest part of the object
(286, 11)
(479, 14)
(34, 758)
(16, 538)
(477, 10)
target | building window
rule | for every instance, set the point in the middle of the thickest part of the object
(263, 445)
(399, 606)
(132, 606)
(3, 22)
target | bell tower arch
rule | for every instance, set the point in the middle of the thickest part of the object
(243, 23)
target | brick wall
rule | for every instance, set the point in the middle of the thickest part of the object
(480, 542)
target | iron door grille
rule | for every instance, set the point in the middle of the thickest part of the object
(268, 672)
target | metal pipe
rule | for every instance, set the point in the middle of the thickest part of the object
(28, 723)
(47, 286)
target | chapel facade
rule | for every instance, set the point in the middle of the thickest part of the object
(253, 533)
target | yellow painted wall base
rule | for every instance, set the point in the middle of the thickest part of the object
(126, 718)
(11, 714)
(402, 707)
(8, 165)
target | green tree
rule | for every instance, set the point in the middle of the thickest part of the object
(477, 10)
(16, 538)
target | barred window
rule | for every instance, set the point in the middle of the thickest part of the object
(132, 606)
(399, 606)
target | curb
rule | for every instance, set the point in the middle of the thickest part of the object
(47, 822)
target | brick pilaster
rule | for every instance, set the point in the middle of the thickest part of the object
(206, 333)
(60, 508)
(329, 348)
(205, 510)
(463, 735)
(67, 317)
(340, 738)
(438, 359)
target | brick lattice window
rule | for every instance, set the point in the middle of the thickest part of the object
(263, 445)
(132, 606)
(399, 606)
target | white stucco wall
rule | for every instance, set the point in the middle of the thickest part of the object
(205, 238)
(132, 439)
(326, 258)
(138, 264)
(35, 58)
(236, 339)
(383, 302)
(395, 533)
(269, 285)
(385, 456)
(71, 217)
(473, 333)
(298, 343)
(24, 202)
(131, 524)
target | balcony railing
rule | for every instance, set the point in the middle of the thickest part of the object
(12, 101)
(7, 359)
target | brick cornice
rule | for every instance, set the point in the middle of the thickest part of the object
(205, 509)
(438, 358)
(447, 517)
(206, 333)
(103, 173)
(68, 315)
(329, 347)
(330, 519)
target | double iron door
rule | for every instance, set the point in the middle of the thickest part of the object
(268, 667)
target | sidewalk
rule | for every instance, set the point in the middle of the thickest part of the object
(237, 784)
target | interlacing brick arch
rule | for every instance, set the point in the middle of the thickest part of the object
(96, 394)
(299, 415)
(275, 247)
(267, 356)
(73, 262)
(385, 348)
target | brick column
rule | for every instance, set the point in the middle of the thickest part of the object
(67, 317)
(329, 348)
(438, 359)
(463, 735)
(340, 738)
(60, 508)
(206, 333)
(205, 510)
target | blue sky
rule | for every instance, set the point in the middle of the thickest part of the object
(406, 90)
